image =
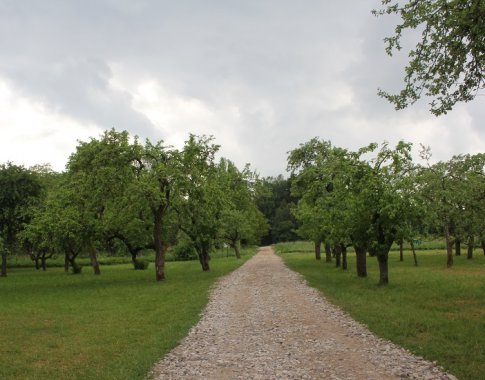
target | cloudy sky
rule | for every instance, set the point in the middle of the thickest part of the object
(262, 76)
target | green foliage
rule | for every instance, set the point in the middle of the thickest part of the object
(448, 63)
(240, 217)
(348, 199)
(20, 190)
(141, 264)
(433, 311)
(275, 201)
(202, 197)
(184, 250)
(99, 327)
(452, 194)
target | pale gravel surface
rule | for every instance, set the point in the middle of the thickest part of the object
(264, 322)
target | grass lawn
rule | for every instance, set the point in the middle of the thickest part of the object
(435, 312)
(55, 325)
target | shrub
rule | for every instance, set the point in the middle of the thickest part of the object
(184, 250)
(76, 269)
(140, 264)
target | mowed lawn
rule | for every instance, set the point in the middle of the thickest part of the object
(55, 325)
(435, 312)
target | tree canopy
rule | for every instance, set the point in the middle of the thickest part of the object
(447, 64)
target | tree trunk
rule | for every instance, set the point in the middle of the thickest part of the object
(159, 246)
(237, 249)
(401, 250)
(457, 247)
(3, 272)
(76, 269)
(204, 259)
(36, 261)
(449, 247)
(318, 250)
(383, 269)
(94, 260)
(471, 243)
(44, 263)
(361, 261)
(337, 252)
(483, 246)
(344, 257)
(66, 262)
(328, 253)
(414, 254)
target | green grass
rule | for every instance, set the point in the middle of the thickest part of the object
(435, 312)
(114, 326)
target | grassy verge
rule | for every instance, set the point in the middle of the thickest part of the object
(114, 326)
(435, 312)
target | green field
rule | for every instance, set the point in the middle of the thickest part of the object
(435, 312)
(114, 326)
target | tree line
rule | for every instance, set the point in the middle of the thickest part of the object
(376, 196)
(119, 191)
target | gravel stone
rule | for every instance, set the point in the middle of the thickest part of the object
(264, 322)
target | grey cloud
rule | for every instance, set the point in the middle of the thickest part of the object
(283, 64)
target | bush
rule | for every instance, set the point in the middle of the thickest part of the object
(183, 251)
(140, 264)
(76, 269)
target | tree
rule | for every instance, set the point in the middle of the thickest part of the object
(20, 190)
(331, 183)
(199, 207)
(240, 218)
(389, 171)
(274, 200)
(307, 164)
(455, 198)
(60, 224)
(448, 63)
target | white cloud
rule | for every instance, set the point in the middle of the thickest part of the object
(32, 134)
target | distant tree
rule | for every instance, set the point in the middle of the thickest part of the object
(240, 218)
(20, 190)
(454, 192)
(274, 200)
(448, 63)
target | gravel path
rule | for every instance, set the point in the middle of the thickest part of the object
(264, 322)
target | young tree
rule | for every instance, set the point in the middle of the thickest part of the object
(448, 63)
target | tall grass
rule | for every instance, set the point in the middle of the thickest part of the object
(114, 326)
(436, 312)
